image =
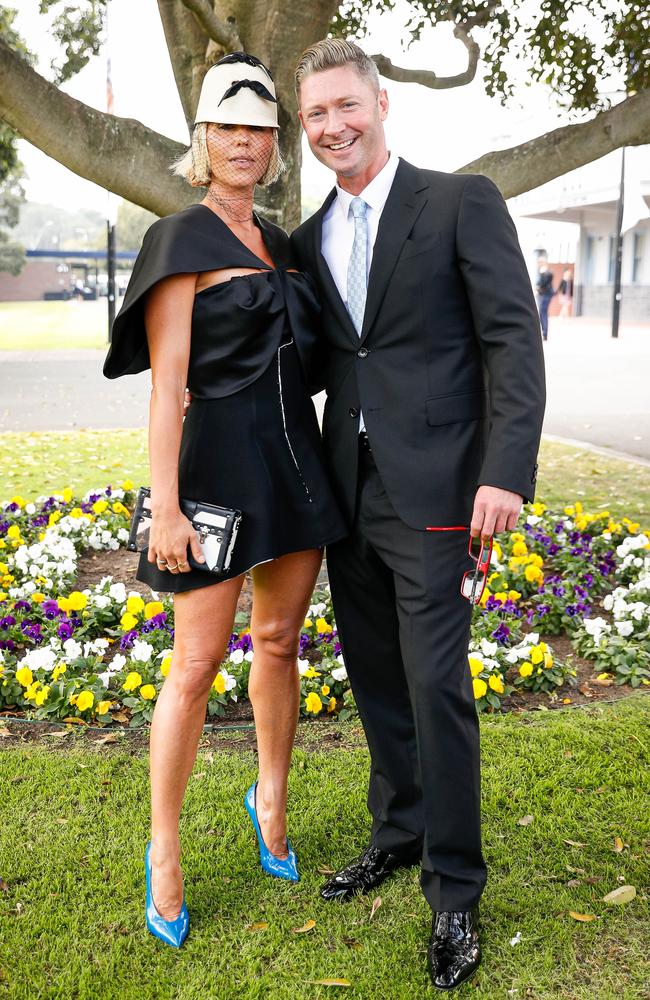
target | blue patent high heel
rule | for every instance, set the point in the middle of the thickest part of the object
(286, 868)
(172, 932)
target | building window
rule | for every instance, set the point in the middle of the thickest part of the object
(637, 257)
(611, 267)
(589, 260)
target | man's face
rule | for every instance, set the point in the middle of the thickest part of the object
(342, 115)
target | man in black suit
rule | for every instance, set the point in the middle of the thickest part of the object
(435, 395)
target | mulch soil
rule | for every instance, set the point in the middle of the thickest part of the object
(236, 730)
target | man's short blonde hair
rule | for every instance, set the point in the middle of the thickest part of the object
(194, 165)
(331, 52)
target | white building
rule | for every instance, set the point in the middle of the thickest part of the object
(588, 198)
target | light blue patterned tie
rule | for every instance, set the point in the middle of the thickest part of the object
(357, 268)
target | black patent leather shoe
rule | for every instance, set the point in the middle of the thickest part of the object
(365, 873)
(454, 951)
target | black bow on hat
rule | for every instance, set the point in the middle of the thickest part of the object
(236, 57)
(254, 85)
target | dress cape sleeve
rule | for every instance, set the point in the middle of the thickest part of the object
(187, 242)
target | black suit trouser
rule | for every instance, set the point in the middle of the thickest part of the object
(404, 630)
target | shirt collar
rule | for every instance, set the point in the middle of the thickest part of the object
(375, 193)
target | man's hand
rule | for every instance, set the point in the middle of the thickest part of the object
(495, 510)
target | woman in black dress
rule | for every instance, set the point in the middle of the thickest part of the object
(214, 304)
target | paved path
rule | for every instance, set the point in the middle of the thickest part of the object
(598, 388)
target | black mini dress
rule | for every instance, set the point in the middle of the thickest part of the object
(250, 438)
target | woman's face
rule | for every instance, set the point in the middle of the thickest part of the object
(239, 154)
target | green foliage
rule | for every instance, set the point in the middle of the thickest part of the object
(12, 253)
(574, 46)
(78, 29)
(132, 224)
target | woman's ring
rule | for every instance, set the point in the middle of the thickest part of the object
(162, 562)
(183, 563)
(169, 566)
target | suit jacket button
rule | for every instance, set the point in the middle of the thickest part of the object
(362, 352)
(354, 412)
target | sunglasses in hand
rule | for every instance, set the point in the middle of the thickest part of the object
(473, 583)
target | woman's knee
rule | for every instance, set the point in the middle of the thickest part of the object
(278, 639)
(192, 674)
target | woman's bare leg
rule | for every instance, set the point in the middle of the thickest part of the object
(282, 592)
(203, 621)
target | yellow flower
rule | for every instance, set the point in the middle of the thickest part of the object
(103, 707)
(133, 681)
(100, 506)
(127, 622)
(614, 528)
(151, 609)
(30, 692)
(535, 560)
(77, 600)
(53, 518)
(58, 670)
(3, 595)
(64, 604)
(67, 495)
(72, 700)
(165, 666)
(526, 669)
(148, 692)
(38, 598)
(480, 688)
(513, 595)
(569, 511)
(308, 623)
(119, 508)
(536, 654)
(578, 507)
(18, 501)
(135, 605)
(313, 703)
(538, 508)
(325, 689)
(322, 626)
(310, 672)
(517, 536)
(219, 683)
(533, 574)
(520, 549)
(127, 484)
(24, 676)
(501, 596)
(86, 699)
(548, 660)
(484, 597)
(603, 677)
(76, 512)
(41, 696)
(496, 683)
(13, 531)
(497, 550)
(475, 665)
(331, 705)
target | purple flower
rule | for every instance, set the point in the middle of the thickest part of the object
(22, 606)
(7, 621)
(51, 609)
(7, 644)
(305, 642)
(492, 604)
(552, 549)
(558, 591)
(65, 630)
(127, 640)
(501, 634)
(571, 610)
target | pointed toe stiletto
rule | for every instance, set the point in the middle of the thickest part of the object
(286, 868)
(172, 932)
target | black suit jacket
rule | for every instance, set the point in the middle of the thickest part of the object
(449, 367)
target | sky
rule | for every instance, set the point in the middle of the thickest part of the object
(436, 129)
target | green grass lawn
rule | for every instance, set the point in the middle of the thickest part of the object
(50, 326)
(75, 824)
(35, 463)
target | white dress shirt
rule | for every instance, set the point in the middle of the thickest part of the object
(338, 227)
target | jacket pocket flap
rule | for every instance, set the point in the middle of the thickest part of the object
(456, 407)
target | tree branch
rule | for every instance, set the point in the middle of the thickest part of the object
(187, 44)
(427, 78)
(119, 154)
(525, 167)
(219, 31)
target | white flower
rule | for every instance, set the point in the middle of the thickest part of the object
(608, 602)
(142, 651)
(339, 673)
(96, 646)
(237, 656)
(249, 655)
(40, 659)
(101, 600)
(303, 666)
(316, 610)
(512, 656)
(624, 628)
(116, 663)
(489, 648)
(122, 534)
(533, 519)
(30, 508)
(118, 592)
(230, 681)
(72, 648)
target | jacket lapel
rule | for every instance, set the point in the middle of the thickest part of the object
(405, 201)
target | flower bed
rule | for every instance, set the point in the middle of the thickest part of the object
(101, 654)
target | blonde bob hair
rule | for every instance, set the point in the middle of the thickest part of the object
(194, 165)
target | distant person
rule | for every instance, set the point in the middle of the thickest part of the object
(545, 293)
(565, 290)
